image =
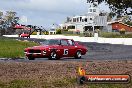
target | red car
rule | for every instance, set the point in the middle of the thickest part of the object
(25, 35)
(56, 49)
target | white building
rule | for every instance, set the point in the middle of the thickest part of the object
(88, 22)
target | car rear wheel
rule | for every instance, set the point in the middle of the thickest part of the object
(53, 56)
(78, 55)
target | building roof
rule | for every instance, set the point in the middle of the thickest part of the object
(109, 23)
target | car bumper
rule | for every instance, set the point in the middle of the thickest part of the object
(37, 55)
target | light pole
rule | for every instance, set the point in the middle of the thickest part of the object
(93, 26)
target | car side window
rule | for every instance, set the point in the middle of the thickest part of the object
(71, 42)
(64, 42)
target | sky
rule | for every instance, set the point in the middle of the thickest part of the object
(46, 12)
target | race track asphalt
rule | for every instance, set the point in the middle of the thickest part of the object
(96, 51)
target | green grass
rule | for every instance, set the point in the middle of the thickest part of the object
(115, 35)
(17, 84)
(57, 83)
(104, 34)
(69, 82)
(10, 48)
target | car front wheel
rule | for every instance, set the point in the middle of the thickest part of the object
(53, 56)
(78, 55)
(31, 58)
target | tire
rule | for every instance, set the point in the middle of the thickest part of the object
(31, 58)
(53, 56)
(78, 55)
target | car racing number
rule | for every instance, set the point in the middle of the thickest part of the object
(65, 51)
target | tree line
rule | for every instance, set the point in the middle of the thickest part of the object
(7, 22)
(120, 7)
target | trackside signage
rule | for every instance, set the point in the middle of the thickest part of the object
(111, 78)
(107, 78)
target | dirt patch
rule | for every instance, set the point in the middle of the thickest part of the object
(57, 74)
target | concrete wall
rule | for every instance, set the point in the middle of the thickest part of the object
(124, 41)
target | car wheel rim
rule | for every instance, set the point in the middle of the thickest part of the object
(53, 55)
(79, 54)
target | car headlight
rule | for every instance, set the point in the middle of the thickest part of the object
(25, 52)
(44, 52)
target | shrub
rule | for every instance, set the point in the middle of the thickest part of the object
(122, 31)
(58, 31)
(34, 33)
(46, 33)
(65, 29)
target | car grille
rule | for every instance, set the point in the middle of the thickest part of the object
(34, 51)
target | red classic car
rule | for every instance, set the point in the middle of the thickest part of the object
(25, 35)
(56, 49)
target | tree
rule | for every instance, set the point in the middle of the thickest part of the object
(103, 13)
(118, 6)
(8, 21)
(1, 14)
(10, 18)
(110, 16)
(127, 20)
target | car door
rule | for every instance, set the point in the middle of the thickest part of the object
(72, 48)
(64, 48)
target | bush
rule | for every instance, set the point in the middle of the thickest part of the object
(58, 31)
(88, 34)
(46, 33)
(122, 31)
(65, 29)
(34, 33)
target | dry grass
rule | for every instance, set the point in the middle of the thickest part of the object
(58, 74)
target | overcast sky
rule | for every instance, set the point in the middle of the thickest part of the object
(46, 12)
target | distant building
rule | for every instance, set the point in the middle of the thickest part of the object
(117, 26)
(53, 29)
(88, 22)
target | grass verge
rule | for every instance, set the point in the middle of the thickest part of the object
(10, 48)
(60, 83)
(106, 35)
(115, 35)
(17, 84)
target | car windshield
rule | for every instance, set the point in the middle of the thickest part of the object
(51, 42)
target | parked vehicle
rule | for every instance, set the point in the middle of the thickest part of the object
(25, 35)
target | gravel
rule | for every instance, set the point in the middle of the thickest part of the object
(100, 59)
(59, 74)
